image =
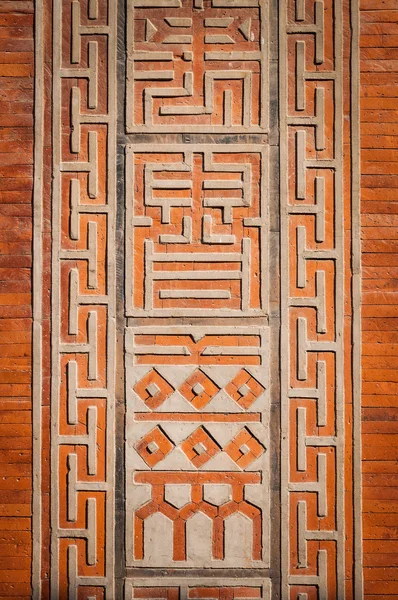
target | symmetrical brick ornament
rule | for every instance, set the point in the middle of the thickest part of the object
(83, 300)
(312, 302)
(196, 231)
(201, 383)
(197, 451)
(197, 66)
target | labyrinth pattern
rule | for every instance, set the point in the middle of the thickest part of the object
(196, 229)
(312, 301)
(83, 289)
(193, 67)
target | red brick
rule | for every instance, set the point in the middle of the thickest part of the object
(16, 184)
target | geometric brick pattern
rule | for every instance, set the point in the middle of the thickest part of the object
(196, 238)
(198, 389)
(214, 449)
(189, 68)
(312, 244)
(153, 389)
(83, 306)
(195, 375)
(197, 247)
(244, 389)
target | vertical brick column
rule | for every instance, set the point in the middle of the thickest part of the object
(197, 281)
(379, 141)
(16, 181)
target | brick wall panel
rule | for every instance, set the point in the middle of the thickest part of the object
(379, 203)
(16, 158)
(379, 143)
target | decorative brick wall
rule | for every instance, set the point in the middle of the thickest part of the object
(379, 199)
(187, 270)
(16, 186)
(379, 204)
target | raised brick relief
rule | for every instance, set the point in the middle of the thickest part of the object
(312, 243)
(197, 407)
(83, 342)
(200, 342)
(197, 454)
(196, 230)
(195, 66)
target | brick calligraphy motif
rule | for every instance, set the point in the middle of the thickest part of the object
(196, 219)
(312, 301)
(83, 301)
(193, 67)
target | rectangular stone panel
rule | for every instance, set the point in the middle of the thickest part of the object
(197, 446)
(210, 589)
(312, 252)
(196, 230)
(199, 68)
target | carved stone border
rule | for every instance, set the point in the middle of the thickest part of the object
(345, 444)
(43, 170)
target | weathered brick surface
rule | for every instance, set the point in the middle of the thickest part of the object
(16, 158)
(379, 143)
(379, 201)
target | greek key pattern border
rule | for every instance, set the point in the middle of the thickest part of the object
(312, 262)
(290, 122)
(83, 314)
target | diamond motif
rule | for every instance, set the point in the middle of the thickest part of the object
(154, 446)
(244, 389)
(153, 389)
(199, 447)
(198, 389)
(244, 448)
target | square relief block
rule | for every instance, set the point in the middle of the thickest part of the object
(196, 67)
(198, 389)
(197, 230)
(152, 389)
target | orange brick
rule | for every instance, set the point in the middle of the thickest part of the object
(16, 157)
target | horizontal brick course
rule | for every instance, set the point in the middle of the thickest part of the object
(16, 158)
(379, 144)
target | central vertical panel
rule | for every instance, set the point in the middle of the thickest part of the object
(197, 343)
